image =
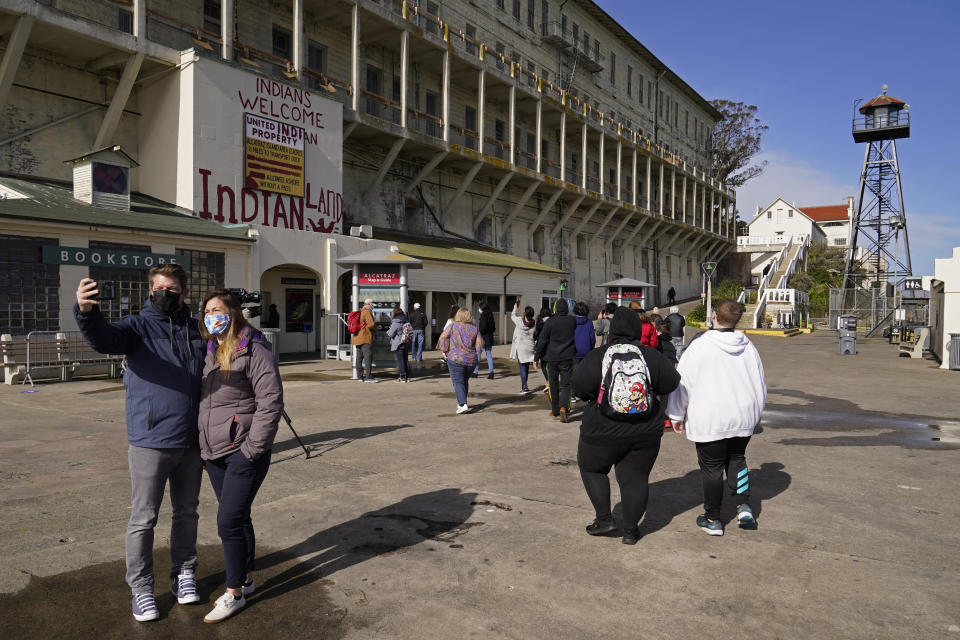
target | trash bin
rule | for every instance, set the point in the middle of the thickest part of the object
(847, 327)
(955, 351)
(273, 337)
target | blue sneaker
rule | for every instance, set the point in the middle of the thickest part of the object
(745, 517)
(145, 607)
(184, 587)
(712, 527)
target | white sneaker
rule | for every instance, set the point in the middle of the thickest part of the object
(248, 587)
(226, 606)
(463, 408)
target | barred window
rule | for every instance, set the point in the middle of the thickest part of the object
(206, 274)
(131, 285)
(29, 289)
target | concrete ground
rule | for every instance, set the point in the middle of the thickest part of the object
(408, 521)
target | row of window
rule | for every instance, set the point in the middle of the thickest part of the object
(30, 289)
(616, 255)
(667, 107)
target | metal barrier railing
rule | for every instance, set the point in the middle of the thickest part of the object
(65, 350)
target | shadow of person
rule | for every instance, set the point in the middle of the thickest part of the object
(320, 443)
(672, 497)
(438, 515)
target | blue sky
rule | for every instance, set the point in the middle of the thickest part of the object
(803, 65)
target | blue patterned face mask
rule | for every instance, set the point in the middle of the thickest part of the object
(217, 323)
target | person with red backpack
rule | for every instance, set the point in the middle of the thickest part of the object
(362, 325)
(623, 422)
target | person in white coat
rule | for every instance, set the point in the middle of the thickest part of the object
(522, 347)
(719, 401)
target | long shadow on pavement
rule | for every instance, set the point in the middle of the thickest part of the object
(320, 443)
(440, 516)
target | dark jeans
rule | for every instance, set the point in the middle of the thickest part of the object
(460, 376)
(558, 375)
(364, 361)
(633, 462)
(417, 344)
(403, 368)
(236, 481)
(524, 372)
(714, 457)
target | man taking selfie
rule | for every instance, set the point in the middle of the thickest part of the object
(164, 353)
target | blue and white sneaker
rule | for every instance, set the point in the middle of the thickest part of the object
(145, 607)
(712, 527)
(184, 587)
(745, 517)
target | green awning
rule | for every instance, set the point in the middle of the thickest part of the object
(440, 251)
(50, 201)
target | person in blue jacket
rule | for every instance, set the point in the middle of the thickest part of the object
(165, 354)
(584, 335)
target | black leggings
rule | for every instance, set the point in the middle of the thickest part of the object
(633, 461)
(714, 457)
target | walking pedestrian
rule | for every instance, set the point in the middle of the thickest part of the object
(400, 334)
(671, 296)
(449, 323)
(461, 343)
(418, 321)
(487, 328)
(664, 344)
(164, 363)
(522, 346)
(719, 401)
(555, 351)
(584, 337)
(622, 423)
(240, 407)
(542, 317)
(649, 338)
(603, 322)
(675, 324)
(363, 341)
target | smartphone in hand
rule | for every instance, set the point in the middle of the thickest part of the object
(108, 291)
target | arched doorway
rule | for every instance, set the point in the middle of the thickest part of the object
(297, 292)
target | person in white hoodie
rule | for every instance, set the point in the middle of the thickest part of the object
(719, 401)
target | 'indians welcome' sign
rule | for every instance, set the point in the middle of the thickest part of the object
(266, 153)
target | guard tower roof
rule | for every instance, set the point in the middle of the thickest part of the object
(881, 101)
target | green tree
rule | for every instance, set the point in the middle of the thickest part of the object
(736, 140)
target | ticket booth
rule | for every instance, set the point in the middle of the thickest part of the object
(381, 275)
(627, 290)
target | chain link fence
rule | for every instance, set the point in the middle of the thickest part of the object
(871, 306)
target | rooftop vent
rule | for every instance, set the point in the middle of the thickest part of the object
(102, 178)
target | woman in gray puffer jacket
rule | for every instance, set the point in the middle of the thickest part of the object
(241, 401)
(399, 345)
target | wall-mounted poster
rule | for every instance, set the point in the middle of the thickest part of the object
(299, 309)
(273, 156)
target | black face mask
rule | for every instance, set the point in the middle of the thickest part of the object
(166, 302)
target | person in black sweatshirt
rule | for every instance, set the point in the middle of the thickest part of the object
(628, 442)
(556, 349)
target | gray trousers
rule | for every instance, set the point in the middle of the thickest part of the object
(150, 469)
(364, 361)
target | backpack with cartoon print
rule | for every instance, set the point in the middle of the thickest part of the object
(625, 392)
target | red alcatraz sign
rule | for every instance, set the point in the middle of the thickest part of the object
(628, 294)
(379, 275)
